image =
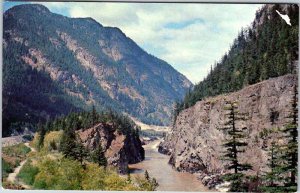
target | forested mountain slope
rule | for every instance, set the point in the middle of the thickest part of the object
(54, 64)
(266, 49)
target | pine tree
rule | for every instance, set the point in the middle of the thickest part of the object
(233, 144)
(283, 159)
(94, 115)
(42, 132)
(290, 153)
(70, 146)
(68, 142)
(80, 152)
(272, 179)
(152, 181)
(147, 177)
(98, 156)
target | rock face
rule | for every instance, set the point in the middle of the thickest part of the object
(80, 62)
(195, 141)
(120, 150)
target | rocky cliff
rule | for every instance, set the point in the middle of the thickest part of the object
(194, 143)
(120, 150)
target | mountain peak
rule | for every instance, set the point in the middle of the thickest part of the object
(31, 7)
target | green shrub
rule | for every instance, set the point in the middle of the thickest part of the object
(68, 174)
(6, 168)
(28, 173)
(34, 142)
(19, 150)
(52, 141)
(63, 174)
(93, 177)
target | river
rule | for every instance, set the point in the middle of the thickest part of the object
(169, 179)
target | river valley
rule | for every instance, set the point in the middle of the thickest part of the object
(168, 178)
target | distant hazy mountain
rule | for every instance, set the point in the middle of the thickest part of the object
(55, 64)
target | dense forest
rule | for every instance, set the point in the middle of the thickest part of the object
(266, 49)
(23, 84)
(86, 119)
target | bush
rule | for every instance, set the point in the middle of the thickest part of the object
(147, 183)
(12, 156)
(114, 182)
(6, 168)
(93, 177)
(28, 173)
(63, 174)
(35, 141)
(67, 174)
(19, 150)
(52, 141)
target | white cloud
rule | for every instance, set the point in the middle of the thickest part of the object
(192, 49)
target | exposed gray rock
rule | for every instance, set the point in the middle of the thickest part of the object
(195, 143)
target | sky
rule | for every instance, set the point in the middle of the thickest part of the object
(190, 37)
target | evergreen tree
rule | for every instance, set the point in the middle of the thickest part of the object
(94, 115)
(290, 153)
(272, 179)
(42, 132)
(98, 156)
(68, 142)
(234, 146)
(147, 177)
(80, 152)
(152, 181)
(283, 159)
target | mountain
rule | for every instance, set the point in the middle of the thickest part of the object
(266, 49)
(54, 64)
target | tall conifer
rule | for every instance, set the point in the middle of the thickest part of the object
(235, 141)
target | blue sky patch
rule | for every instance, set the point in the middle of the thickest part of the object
(180, 25)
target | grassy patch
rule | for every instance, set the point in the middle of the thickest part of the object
(12, 156)
(6, 168)
(28, 172)
(20, 150)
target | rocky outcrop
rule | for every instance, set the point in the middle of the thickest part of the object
(195, 143)
(120, 150)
